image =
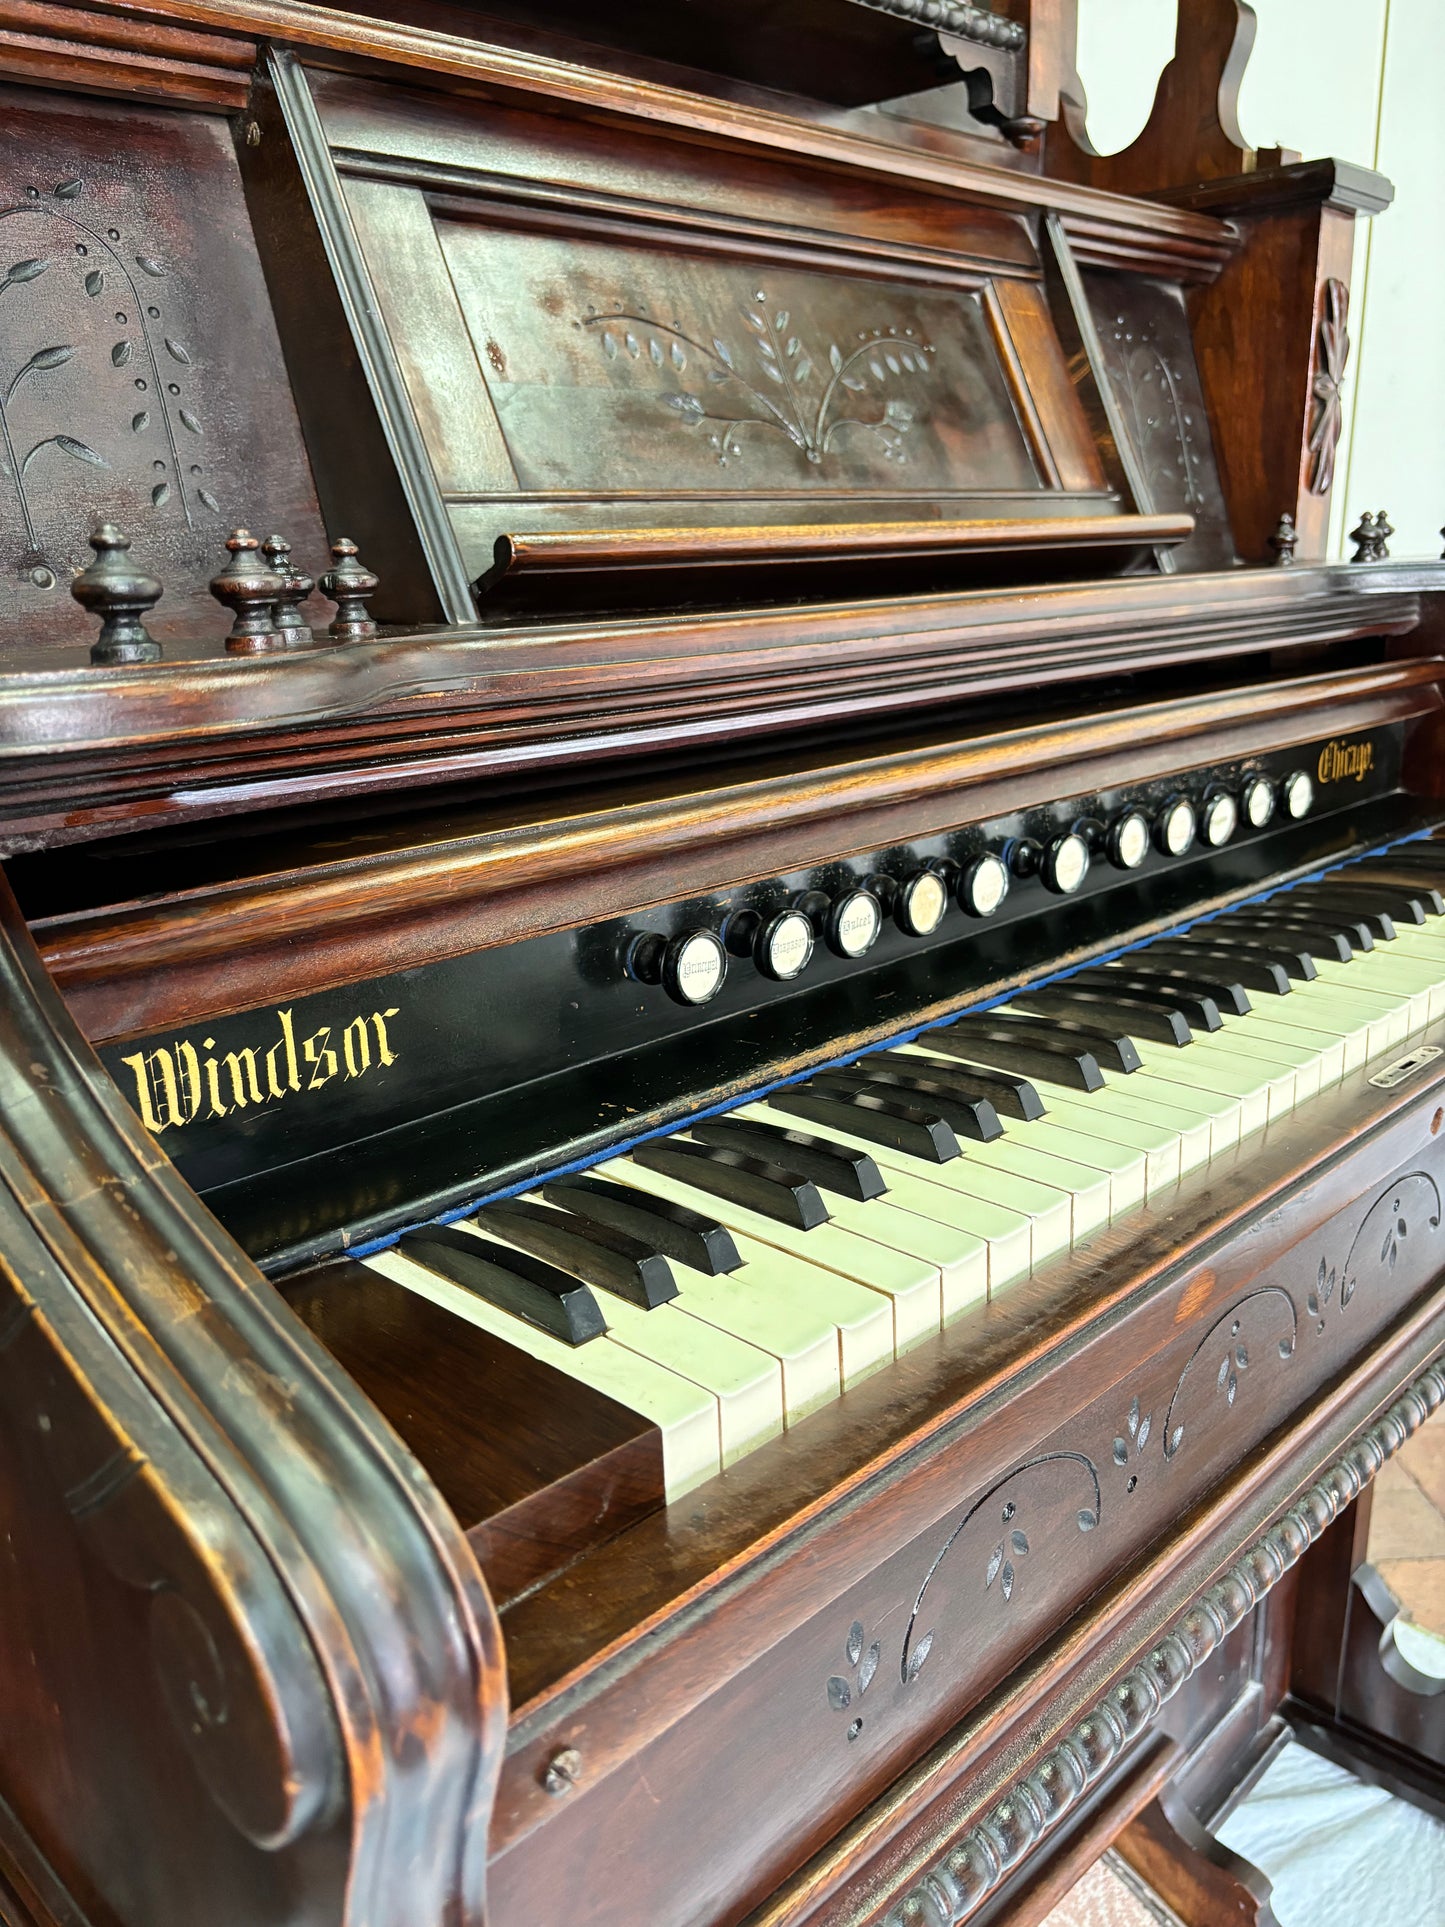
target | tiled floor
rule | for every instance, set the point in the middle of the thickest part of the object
(1407, 1528)
(1110, 1896)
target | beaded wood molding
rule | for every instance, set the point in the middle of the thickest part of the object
(979, 24)
(954, 1889)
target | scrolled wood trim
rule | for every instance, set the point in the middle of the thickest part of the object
(190, 1425)
(1017, 1823)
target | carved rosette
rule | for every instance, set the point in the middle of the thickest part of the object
(1332, 355)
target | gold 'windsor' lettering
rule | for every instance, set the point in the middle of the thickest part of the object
(1344, 762)
(178, 1083)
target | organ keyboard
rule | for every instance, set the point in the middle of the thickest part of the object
(905, 1200)
(721, 1132)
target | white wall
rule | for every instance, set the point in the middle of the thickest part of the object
(1362, 80)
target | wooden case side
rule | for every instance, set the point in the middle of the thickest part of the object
(240, 1627)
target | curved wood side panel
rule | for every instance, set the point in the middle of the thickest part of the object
(248, 1667)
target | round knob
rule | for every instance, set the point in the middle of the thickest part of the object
(1259, 801)
(1093, 832)
(853, 923)
(1221, 818)
(921, 902)
(1065, 864)
(1299, 794)
(1129, 840)
(983, 885)
(783, 946)
(1175, 827)
(690, 967)
(1024, 856)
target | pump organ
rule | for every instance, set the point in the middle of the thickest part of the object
(722, 1043)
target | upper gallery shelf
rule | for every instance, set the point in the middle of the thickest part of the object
(546, 327)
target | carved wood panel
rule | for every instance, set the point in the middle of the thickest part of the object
(140, 376)
(1143, 330)
(1241, 1342)
(634, 333)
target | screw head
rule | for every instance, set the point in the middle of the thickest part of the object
(562, 1771)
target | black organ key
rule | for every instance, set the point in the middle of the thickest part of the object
(552, 1300)
(1369, 910)
(873, 1112)
(1254, 972)
(1283, 915)
(914, 1083)
(832, 1167)
(1319, 939)
(1159, 1025)
(672, 1229)
(1421, 866)
(597, 1253)
(1295, 962)
(1404, 902)
(1195, 1003)
(1194, 979)
(1037, 1052)
(1113, 1048)
(1199, 1008)
(771, 1189)
(1009, 1095)
(1415, 882)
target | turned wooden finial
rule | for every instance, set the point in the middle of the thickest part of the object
(1284, 541)
(289, 619)
(120, 593)
(249, 590)
(1383, 532)
(1363, 536)
(350, 586)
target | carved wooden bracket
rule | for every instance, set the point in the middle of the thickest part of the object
(1193, 131)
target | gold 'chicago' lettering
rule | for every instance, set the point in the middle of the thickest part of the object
(1341, 762)
(180, 1082)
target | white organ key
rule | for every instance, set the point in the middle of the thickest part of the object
(746, 1382)
(848, 1280)
(684, 1414)
(998, 1237)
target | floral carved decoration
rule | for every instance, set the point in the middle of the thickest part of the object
(775, 383)
(1332, 355)
(1006, 1555)
(846, 1691)
(158, 409)
(1161, 413)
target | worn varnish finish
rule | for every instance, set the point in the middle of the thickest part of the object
(429, 280)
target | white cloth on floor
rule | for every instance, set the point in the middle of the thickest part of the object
(1339, 1853)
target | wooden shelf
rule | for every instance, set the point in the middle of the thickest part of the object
(635, 565)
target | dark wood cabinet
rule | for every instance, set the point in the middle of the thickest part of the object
(647, 560)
